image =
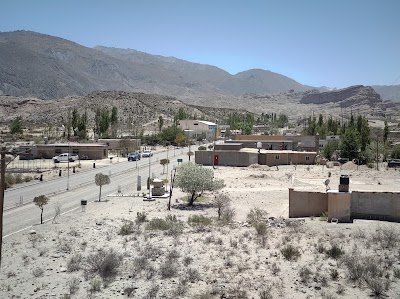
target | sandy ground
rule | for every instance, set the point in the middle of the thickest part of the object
(219, 261)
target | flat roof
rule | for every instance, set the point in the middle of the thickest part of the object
(74, 144)
(264, 141)
(264, 151)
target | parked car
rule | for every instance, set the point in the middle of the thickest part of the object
(147, 153)
(65, 158)
(394, 163)
(133, 156)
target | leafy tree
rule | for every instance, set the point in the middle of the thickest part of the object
(195, 179)
(104, 123)
(385, 132)
(16, 126)
(41, 201)
(180, 138)
(164, 162)
(330, 148)
(168, 135)
(82, 126)
(114, 121)
(160, 123)
(75, 119)
(395, 152)
(101, 180)
(350, 144)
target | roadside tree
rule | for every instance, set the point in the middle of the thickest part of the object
(195, 179)
(101, 180)
(41, 201)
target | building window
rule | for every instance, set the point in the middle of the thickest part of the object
(58, 151)
(75, 151)
(277, 157)
(307, 158)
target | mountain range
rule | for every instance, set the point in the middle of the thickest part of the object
(48, 67)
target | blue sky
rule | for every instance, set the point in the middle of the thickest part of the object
(335, 43)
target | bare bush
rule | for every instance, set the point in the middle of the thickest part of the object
(221, 201)
(105, 263)
(74, 263)
(73, 285)
(305, 274)
(257, 215)
(290, 252)
(168, 269)
(127, 228)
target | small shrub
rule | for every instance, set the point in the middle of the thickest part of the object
(334, 252)
(377, 286)
(11, 274)
(129, 292)
(334, 274)
(205, 295)
(290, 252)
(305, 274)
(173, 255)
(168, 269)
(139, 264)
(37, 272)
(153, 291)
(149, 251)
(74, 263)
(95, 285)
(187, 260)
(192, 274)
(320, 248)
(256, 215)
(141, 217)
(73, 285)
(326, 295)
(196, 220)
(19, 179)
(275, 268)
(28, 178)
(9, 180)
(324, 216)
(170, 223)
(340, 289)
(181, 289)
(127, 228)
(266, 293)
(202, 148)
(396, 273)
(228, 214)
(105, 263)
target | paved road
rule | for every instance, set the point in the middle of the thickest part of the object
(81, 186)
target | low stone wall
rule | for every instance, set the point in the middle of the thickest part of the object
(307, 203)
(376, 205)
(345, 206)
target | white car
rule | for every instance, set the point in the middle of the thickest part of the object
(147, 153)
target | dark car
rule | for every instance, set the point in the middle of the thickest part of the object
(394, 163)
(133, 156)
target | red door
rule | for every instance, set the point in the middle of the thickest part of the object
(215, 159)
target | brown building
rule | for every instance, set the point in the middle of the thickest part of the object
(92, 151)
(247, 156)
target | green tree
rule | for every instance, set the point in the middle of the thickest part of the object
(160, 123)
(194, 179)
(75, 119)
(41, 201)
(16, 126)
(395, 154)
(164, 162)
(114, 121)
(101, 180)
(385, 132)
(329, 149)
(350, 144)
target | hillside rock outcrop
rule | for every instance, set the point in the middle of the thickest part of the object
(346, 97)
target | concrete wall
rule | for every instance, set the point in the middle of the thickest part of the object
(345, 206)
(376, 205)
(339, 206)
(306, 203)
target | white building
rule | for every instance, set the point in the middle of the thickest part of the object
(198, 128)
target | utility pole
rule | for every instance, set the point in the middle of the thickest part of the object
(2, 188)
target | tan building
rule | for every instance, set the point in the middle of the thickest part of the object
(197, 128)
(299, 142)
(122, 146)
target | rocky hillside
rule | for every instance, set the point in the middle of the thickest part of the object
(137, 108)
(346, 97)
(47, 67)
